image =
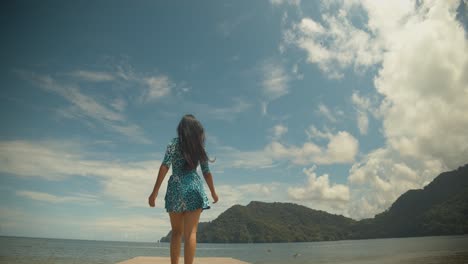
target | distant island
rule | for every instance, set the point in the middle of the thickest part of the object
(441, 208)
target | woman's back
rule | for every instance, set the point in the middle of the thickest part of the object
(175, 157)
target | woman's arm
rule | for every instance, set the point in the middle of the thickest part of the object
(163, 169)
(209, 180)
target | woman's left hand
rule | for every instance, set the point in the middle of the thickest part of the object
(152, 199)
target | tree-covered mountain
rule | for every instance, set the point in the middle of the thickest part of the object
(441, 208)
(274, 222)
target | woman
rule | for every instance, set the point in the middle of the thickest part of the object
(185, 197)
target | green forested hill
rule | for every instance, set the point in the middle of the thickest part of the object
(441, 208)
(274, 222)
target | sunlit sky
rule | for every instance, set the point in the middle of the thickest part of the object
(340, 106)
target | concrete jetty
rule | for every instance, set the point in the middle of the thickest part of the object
(165, 260)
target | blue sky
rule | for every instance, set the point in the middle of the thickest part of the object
(335, 105)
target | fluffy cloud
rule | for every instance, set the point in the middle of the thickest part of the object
(383, 175)
(341, 148)
(426, 96)
(241, 159)
(335, 46)
(425, 105)
(422, 54)
(157, 87)
(318, 193)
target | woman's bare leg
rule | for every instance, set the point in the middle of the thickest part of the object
(177, 224)
(190, 234)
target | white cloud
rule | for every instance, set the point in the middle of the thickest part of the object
(424, 108)
(157, 87)
(47, 197)
(363, 122)
(86, 104)
(422, 53)
(363, 106)
(278, 131)
(132, 131)
(242, 159)
(319, 193)
(264, 108)
(342, 148)
(122, 226)
(87, 108)
(425, 96)
(295, 71)
(275, 80)
(127, 182)
(327, 113)
(48, 160)
(362, 103)
(119, 104)
(289, 2)
(335, 45)
(382, 176)
(152, 86)
(93, 76)
(302, 155)
(313, 133)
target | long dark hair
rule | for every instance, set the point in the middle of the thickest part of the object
(192, 141)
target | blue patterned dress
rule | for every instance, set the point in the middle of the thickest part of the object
(185, 190)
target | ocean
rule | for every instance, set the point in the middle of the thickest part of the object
(419, 250)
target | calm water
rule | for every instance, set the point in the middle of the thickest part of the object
(446, 250)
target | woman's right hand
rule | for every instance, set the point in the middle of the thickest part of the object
(215, 197)
(152, 199)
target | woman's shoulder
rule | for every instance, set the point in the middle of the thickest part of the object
(174, 141)
(173, 144)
